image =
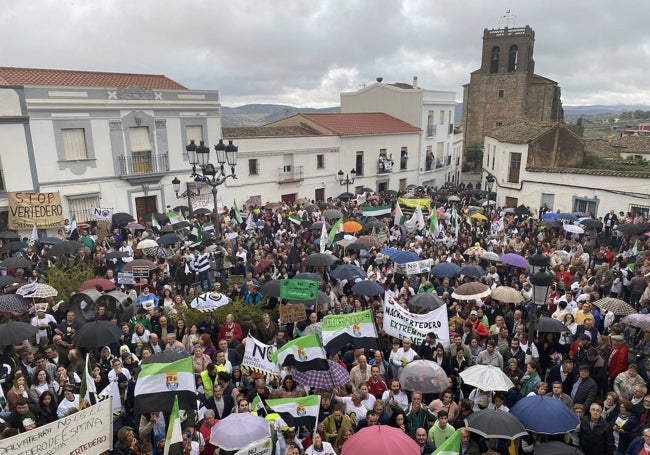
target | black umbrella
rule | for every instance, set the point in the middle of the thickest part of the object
(121, 219)
(160, 217)
(167, 356)
(431, 301)
(567, 216)
(368, 288)
(14, 332)
(12, 247)
(545, 324)
(96, 334)
(630, 228)
(169, 239)
(180, 225)
(311, 208)
(49, 240)
(6, 280)
(318, 225)
(390, 192)
(551, 223)
(63, 248)
(557, 448)
(320, 260)
(116, 255)
(591, 223)
(271, 288)
(181, 209)
(17, 262)
(13, 303)
(348, 272)
(357, 246)
(492, 423)
(202, 211)
(345, 196)
(377, 225)
(522, 210)
(9, 235)
(474, 271)
(308, 276)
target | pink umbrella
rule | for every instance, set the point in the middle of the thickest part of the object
(380, 440)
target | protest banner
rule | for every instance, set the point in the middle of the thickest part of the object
(414, 202)
(41, 209)
(400, 323)
(87, 431)
(257, 357)
(261, 447)
(125, 278)
(413, 268)
(292, 313)
(140, 272)
(300, 290)
(97, 213)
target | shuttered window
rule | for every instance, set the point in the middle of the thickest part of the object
(80, 206)
(139, 136)
(195, 133)
(74, 144)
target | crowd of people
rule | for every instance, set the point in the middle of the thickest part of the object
(597, 366)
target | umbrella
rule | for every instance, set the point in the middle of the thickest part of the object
(563, 255)
(630, 228)
(368, 288)
(13, 303)
(49, 240)
(354, 246)
(475, 251)
(202, 211)
(567, 216)
(169, 239)
(37, 291)
(515, 260)
(140, 263)
(116, 255)
(12, 247)
(239, 430)
(507, 294)
(475, 271)
(310, 208)
(348, 272)
(96, 334)
(550, 223)
(344, 196)
(380, 440)
(453, 199)
(390, 192)
(641, 321)
(492, 423)
(209, 301)
(402, 257)
(545, 415)
(6, 280)
(490, 256)
(471, 291)
(573, 229)
(370, 240)
(160, 217)
(9, 235)
(146, 243)
(445, 270)
(479, 216)
(181, 209)
(66, 247)
(270, 288)
(557, 448)
(616, 306)
(166, 356)
(377, 225)
(487, 378)
(336, 376)
(101, 284)
(509, 210)
(135, 226)
(318, 225)
(262, 265)
(157, 252)
(332, 214)
(522, 210)
(550, 216)
(121, 219)
(428, 301)
(591, 223)
(546, 324)
(17, 262)
(320, 260)
(351, 227)
(424, 376)
(14, 332)
(308, 276)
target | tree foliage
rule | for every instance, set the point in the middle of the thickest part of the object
(474, 156)
(68, 281)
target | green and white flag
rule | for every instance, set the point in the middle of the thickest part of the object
(376, 211)
(335, 230)
(238, 217)
(173, 217)
(297, 412)
(295, 219)
(174, 437)
(399, 215)
(451, 446)
(154, 222)
(305, 353)
(159, 383)
(323, 238)
(433, 223)
(356, 328)
(88, 390)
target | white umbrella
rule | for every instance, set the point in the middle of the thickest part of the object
(490, 256)
(239, 430)
(209, 301)
(487, 378)
(147, 243)
(572, 228)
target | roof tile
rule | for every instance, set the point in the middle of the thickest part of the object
(355, 124)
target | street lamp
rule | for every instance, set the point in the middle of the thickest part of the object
(541, 281)
(538, 261)
(211, 175)
(489, 184)
(347, 181)
(193, 189)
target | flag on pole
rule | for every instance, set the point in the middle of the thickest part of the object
(399, 215)
(295, 219)
(416, 222)
(173, 217)
(357, 328)
(323, 238)
(238, 217)
(297, 412)
(335, 230)
(376, 210)
(250, 221)
(154, 222)
(451, 446)
(159, 383)
(455, 216)
(88, 390)
(112, 390)
(433, 223)
(174, 437)
(72, 234)
(305, 353)
(34, 236)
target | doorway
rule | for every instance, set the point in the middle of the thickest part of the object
(319, 194)
(289, 198)
(145, 205)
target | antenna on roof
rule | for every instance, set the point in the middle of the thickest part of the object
(507, 19)
(379, 79)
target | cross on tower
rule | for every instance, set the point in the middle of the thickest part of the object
(507, 19)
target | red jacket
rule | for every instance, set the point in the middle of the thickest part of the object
(479, 327)
(236, 331)
(618, 363)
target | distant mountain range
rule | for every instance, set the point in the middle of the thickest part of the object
(260, 114)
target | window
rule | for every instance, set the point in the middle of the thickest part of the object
(140, 149)
(358, 165)
(402, 185)
(403, 158)
(320, 161)
(585, 205)
(548, 199)
(74, 144)
(440, 150)
(431, 128)
(494, 63)
(195, 133)
(501, 93)
(253, 167)
(515, 164)
(428, 163)
(498, 124)
(512, 58)
(441, 120)
(80, 206)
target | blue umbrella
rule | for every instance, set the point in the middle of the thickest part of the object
(474, 271)
(348, 272)
(550, 216)
(389, 251)
(567, 216)
(402, 257)
(545, 415)
(445, 270)
(515, 260)
(368, 288)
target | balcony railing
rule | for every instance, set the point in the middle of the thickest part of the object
(385, 165)
(290, 174)
(143, 163)
(443, 162)
(431, 130)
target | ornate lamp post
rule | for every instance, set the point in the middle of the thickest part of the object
(541, 280)
(193, 190)
(489, 184)
(347, 181)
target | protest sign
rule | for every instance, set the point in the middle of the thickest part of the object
(140, 272)
(300, 290)
(103, 214)
(125, 278)
(400, 323)
(292, 313)
(261, 447)
(415, 267)
(41, 209)
(257, 357)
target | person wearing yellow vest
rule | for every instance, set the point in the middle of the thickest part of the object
(208, 379)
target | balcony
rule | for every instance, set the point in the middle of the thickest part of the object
(443, 162)
(143, 167)
(291, 174)
(431, 130)
(385, 165)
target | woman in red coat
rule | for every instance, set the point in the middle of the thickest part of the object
(618, 357)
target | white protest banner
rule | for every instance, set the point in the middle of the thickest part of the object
(85, 432)
(413, 268)
(97, 213)
(261, 447)
(257, 357)
(400, 323)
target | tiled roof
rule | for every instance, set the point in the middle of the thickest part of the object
(520, 131)
(600, 147)
(354, 124)
(68, 78)
(632, 144)
(600, 172)
(264, 131)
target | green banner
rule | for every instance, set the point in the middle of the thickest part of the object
(333, 322)
(301, 290)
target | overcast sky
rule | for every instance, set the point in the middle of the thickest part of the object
(305, 52)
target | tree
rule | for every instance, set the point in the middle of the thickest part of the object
(474, 156)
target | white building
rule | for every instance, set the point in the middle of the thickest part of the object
(438, 158)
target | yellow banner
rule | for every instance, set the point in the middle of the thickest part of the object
(43, 209)
(413, 203)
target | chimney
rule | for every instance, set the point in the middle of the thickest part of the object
(379, 79)
(415, 82)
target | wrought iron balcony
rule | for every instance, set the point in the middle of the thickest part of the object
(143, 163)
(291, 174)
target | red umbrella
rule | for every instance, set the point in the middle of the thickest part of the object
(263, 264)
(380, 440)
(101, 284)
